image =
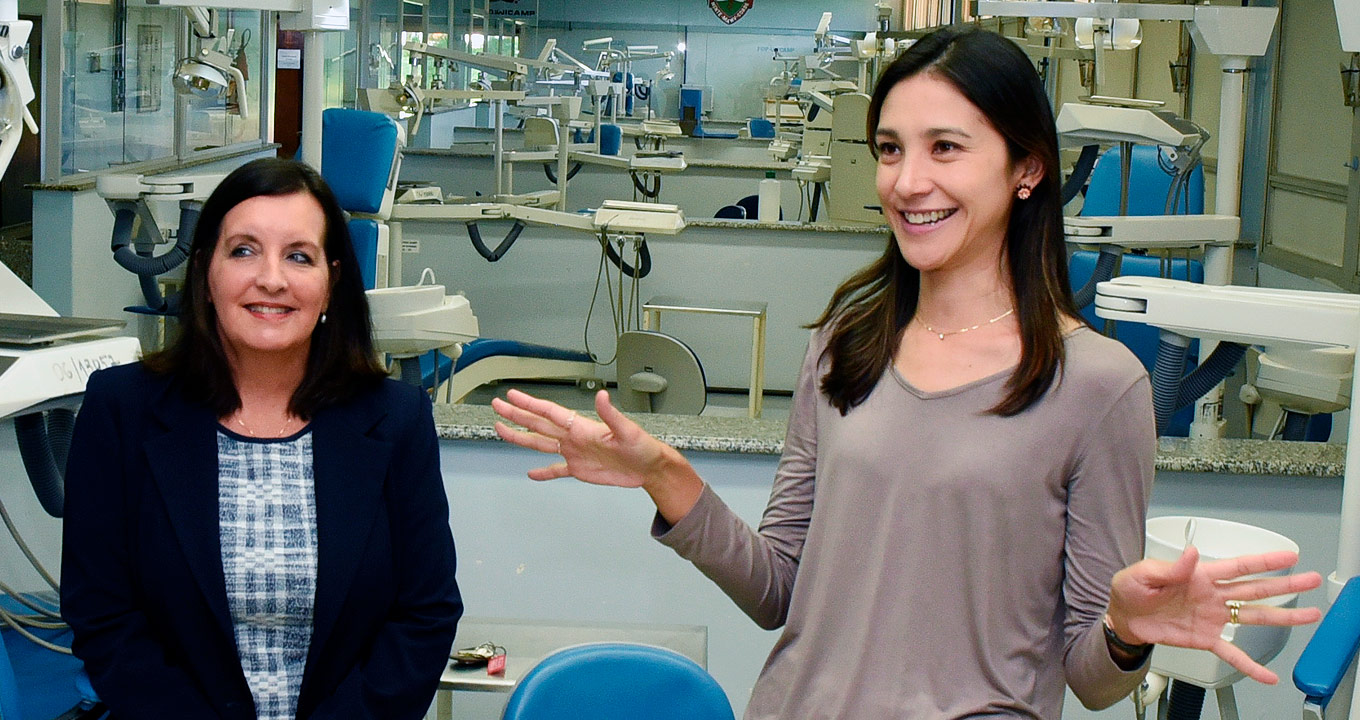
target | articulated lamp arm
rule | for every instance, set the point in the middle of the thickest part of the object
(17, 90)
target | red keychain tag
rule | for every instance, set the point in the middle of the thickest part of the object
(496, 665)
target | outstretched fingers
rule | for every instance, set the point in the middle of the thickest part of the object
(1251, 564)
(619, 424)
(1159, 573)
(529, 440)
(1261, 588)
(1235, 657)
(1278, 616)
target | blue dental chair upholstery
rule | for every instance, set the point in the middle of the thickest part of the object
(1139, 337)
(360, 160)
(1330, 656)
(617, 681)
(1149, 183)
(39, 684)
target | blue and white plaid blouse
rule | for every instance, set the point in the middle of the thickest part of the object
(266, 511)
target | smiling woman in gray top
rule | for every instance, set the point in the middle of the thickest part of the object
(956, 522)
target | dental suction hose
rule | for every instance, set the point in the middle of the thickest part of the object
(644, 260)
(552, 174)
(124, 217)
(1172, 389)
(1187, 701)
(44, 442)
(1103, 271)
(475, 235)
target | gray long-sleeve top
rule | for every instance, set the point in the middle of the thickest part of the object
(930, 560)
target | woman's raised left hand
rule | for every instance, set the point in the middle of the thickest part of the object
(1186, 603)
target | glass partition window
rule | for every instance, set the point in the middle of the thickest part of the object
(224, 119)
(118, 102)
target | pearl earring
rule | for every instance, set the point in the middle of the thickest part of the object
(1022, 192)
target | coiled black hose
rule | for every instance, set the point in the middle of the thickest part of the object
(44, 444)
(1187, 701)
(644, 263)
(552, 174)
(1172, 389)
(1103, 271)
(651, 193)
(1166, 376)
(1080, 172)
(410, 372)
(1218, 365)
(475, 235)
(152, 265)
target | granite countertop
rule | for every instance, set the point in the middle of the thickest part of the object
(86, 181)
(878, 230)
(766, 437)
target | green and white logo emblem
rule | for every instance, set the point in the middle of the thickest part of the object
(730, 11)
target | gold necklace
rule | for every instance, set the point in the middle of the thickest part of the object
(942, 334)
(286, 422)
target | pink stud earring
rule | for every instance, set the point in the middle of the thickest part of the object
(1022, 192)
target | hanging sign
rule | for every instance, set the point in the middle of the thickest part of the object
(514, 8)
(730, 11)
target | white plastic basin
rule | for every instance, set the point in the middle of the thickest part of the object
(1218, 540)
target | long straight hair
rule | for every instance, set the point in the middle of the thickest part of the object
(341, 360)
(869, 311)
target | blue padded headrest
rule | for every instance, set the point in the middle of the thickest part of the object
(358, 149)
(1149, 183)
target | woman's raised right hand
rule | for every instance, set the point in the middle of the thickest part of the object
(614, 452)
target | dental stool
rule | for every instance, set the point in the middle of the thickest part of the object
(617, 681)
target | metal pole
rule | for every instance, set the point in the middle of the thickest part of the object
(313, 97)
(498, 107)
(1218, 261)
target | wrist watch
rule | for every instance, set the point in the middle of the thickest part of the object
(1121, 644)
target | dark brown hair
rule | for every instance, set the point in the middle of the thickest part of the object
(341, 361)
(869, 311)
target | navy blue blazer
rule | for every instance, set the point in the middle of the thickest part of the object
(142, 580)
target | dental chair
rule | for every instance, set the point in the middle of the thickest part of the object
(617, 681)
(1149, 184)
(1325, 672)
(360, 160)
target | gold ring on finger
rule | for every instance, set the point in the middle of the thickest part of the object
(1234, 608)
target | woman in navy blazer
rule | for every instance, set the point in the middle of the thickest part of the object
(191, 591)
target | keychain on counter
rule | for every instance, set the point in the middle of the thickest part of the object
(489, 654)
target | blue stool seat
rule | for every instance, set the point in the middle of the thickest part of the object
(617, 681)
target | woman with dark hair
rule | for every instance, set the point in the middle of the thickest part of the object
(255, 522)
(957, 517)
